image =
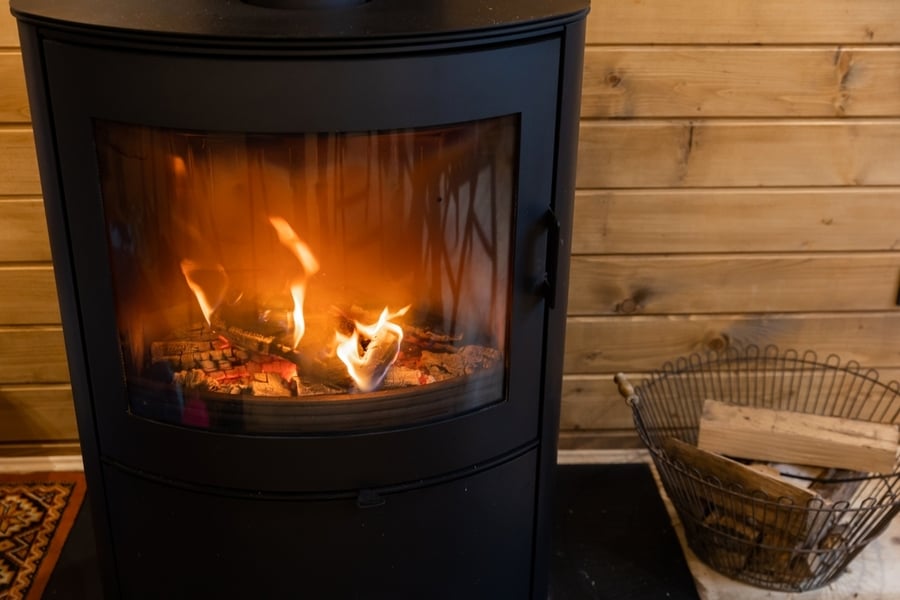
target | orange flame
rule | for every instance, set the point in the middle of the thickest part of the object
(368, 368)
(289, 238)
(209, 296)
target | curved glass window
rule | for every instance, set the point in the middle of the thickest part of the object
(316, 282)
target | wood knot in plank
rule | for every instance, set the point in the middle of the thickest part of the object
(636, 303)
(718, 342)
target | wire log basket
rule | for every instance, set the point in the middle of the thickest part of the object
(745, 534)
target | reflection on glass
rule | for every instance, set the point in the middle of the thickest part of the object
(308, 282)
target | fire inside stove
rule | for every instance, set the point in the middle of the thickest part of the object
(271, 283)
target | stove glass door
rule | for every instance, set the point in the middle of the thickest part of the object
(310, 282)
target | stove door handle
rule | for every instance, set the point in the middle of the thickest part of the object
(554, 240)
(369, 499)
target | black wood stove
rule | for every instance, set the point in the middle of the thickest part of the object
(312, 260)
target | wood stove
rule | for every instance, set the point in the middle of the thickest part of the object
(312, 260)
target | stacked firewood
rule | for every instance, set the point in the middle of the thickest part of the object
(216, 365)
(787, 485)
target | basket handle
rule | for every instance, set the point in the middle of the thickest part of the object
(626, 390)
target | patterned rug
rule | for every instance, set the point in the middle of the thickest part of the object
(36, 513)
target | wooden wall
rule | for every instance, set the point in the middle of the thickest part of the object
(739, 182)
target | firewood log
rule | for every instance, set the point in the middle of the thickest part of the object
(784, 511)
(794, 437)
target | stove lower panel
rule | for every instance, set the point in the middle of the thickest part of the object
(471, 538)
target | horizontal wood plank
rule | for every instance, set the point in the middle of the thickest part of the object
(9, 34)
(67, 448)
(32, 355)
(603, 439)
(23, 231)
(722, 81)
(766, 434)
(643, 343)
(733, 283)
(28, 296)
(592, 402)
(37, 413)
(13, 98)
(748, 153)
(18, 163)
(735, 220)
(743, 22)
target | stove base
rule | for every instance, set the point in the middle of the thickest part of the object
(471, 537)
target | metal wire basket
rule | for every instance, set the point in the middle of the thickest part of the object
(745, 534)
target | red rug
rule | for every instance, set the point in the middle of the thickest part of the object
(37, 511)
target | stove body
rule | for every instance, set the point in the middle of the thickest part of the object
(233, 192)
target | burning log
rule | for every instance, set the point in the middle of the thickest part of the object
(246, 332)
(259, 346)
(424, 339)
(230, 356)
(369, 362)
(269, 384)
(465, 361)
(249, 340)
(162, 351)
(399, 377)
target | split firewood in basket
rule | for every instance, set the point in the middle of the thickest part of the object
(794, 437)
(833, 454)
(761, 534)
(831, 485)
(834, 537)
(780, 557)
(790, 518)
(838, 487)
(733, 548)
(835, 487)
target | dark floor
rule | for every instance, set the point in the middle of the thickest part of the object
(613, 540)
